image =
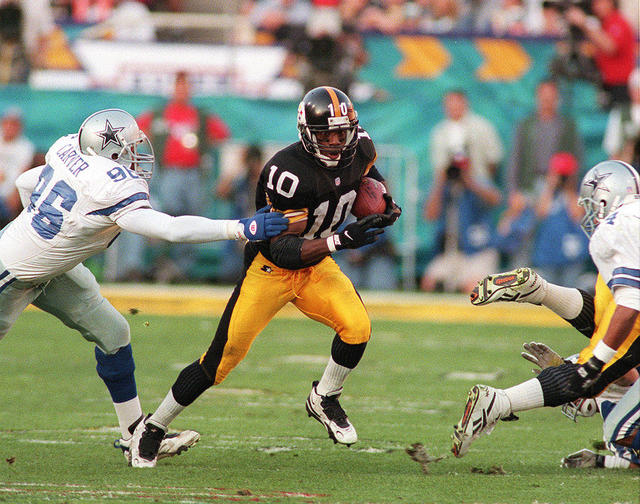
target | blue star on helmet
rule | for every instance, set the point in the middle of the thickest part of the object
(110, 135)
(597, 179)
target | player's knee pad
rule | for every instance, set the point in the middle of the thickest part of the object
(117, 372)
(191, 382)
(554, 382)
(110, 335)
(346, 354)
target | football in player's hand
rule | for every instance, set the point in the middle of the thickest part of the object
(369, 199)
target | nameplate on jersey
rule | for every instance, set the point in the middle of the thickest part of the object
(70, 157)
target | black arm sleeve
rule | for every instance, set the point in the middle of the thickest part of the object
(584, 322)
(286, 252)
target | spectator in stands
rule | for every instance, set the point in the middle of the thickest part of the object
(240, 189)
(285, 20)
(546, 232)
(560, 248)
(126, 21)
(541, 134)
(510, 19)
(182, 135)
(444, 16)
(16, 155)
(461, 201)
(384, 16)
(614, 51)
(27, 27)
(622, 136)
(483, 145)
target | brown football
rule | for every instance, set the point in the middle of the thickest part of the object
(369, 199)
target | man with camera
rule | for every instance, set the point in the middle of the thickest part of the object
(465, 150)
(612, 43)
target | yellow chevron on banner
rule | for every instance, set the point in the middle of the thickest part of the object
(504, 60)
(423, 57)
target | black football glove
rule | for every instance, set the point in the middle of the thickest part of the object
(360, 233)
(391, 212)
(584, 375)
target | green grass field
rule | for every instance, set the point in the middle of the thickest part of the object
(57, 423)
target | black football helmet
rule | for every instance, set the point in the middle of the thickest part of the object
(327, 109)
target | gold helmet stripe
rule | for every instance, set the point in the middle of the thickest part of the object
(334, 101)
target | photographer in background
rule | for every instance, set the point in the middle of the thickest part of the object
(461, 203)
(612, 42)
(622, 136)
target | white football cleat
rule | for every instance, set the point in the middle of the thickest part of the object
(145, 444)
(485, 406)
(327, 410)
(522, 285)
(173, 444)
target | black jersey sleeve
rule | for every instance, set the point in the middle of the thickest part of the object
(285, 184)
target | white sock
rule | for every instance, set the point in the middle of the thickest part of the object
(333, 378)
(166, 412)
(128, 412)
(525, 396)
(615, 462)
(564, 301)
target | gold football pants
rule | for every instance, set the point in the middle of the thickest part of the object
(604, 308)
(322, 292)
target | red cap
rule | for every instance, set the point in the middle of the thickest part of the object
(563, 164)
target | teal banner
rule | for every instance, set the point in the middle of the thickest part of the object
(411, 74)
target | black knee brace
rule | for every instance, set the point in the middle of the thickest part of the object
(191, 382)
(554, 382)
(345, 354)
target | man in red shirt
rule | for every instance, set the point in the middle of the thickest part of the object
(614, 42)
(181, 134)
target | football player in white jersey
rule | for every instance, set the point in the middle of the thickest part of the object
(610, 195)
(95, 184)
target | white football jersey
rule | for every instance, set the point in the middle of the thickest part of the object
(615, 250)
(72, 213)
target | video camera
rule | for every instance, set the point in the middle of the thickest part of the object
(459, 161)
(563, 5)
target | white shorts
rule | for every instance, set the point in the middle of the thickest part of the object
(74, 298)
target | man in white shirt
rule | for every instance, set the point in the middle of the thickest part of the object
(16, 156)
(95, 184)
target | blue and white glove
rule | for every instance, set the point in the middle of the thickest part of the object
(264, 225)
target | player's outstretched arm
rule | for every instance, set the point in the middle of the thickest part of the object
(195, 229)
(27, 182)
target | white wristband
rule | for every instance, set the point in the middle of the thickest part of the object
(331, 243)
(603, 352)
(235, 230)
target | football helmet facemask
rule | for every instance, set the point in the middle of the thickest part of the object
(604, 188)
(114, 134)
(328, 126)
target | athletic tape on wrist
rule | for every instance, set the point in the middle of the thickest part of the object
(603, 352)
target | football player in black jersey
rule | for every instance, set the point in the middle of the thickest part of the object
(314, 183)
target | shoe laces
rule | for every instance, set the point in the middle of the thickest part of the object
(150, 442)
(333, 410)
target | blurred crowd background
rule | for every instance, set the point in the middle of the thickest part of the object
(486, 114)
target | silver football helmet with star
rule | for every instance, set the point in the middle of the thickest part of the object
(604, 188)
(114, 134)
